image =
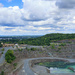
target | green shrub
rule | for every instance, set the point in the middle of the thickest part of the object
(12, 46)
(15, 64)
(33, 49)
(2, 49)
(69, 42)
(2, 73)
(40, 63)
(1, 44)
(59, 48)
(26, 48)
(40, 52)
(9, 56)
(2, 53)
(62, 44)
(20, 49)
(52, 46)
(43, 46)
(29, 49)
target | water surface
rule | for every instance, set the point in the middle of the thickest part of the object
(59, 66)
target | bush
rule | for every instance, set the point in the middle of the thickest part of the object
(20, 49)
(2, 73)
(9, 56)
(40, 52)
(59, 48)
(15, 64)
(2, 49)
(1, 44)
(2, 53)
(26, 48)
(33, 49)
(62, 44)
(52, 46)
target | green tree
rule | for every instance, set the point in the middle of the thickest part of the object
(52, 46)
(33, 49)
(62, 44)
(9, 56)
(2, 73)
(15, 64)
(1, 44)
(2, 49)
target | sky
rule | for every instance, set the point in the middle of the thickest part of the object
(36, 17)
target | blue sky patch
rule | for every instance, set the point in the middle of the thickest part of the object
(6, 3)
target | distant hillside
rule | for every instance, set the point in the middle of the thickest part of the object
(19, 37)
(46, 39)
(16, 39)
(38, 40)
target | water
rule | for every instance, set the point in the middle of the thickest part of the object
(59, 66)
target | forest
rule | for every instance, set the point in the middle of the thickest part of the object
(42, 40)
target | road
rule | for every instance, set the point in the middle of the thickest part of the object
(26, 70)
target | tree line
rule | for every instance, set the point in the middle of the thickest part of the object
(43, 40)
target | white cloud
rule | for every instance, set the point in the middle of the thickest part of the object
(66, 4)
(11, 15)
(39, 9)
(9, 0)
(36, 17)
(1, 5)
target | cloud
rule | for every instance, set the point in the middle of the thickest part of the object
(11, 16)
(9, 0)
(39, 9)
(1, 5)
(66, 4)
(38, 17)
(9, 28)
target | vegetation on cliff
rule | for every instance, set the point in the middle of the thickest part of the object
(9, 56)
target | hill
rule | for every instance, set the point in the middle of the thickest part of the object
(46, 39)
(40, 40)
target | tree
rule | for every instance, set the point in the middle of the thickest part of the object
(2, 73)
(9, 56)
(1, 44)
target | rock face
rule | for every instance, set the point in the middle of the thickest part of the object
(71, 69)
(48, 70)
(0, 54)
